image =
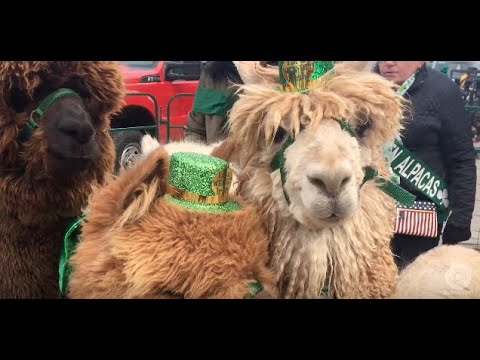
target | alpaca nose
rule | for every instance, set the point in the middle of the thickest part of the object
(81, 131)
(330, 181)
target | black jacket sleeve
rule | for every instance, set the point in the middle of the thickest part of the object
(459, 156)
(195, 130)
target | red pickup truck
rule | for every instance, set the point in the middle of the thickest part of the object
(159, 97)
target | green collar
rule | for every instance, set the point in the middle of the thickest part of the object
(31, 124)
(70, 242)
(254, 288)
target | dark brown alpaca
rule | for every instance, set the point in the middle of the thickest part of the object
(46, 176)
(136, 244)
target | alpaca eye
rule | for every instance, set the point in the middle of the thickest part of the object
(360, 130)
(279, 135)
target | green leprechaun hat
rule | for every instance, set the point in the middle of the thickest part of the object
(200, 183)
(303, 76)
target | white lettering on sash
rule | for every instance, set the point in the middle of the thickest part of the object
(433, 193)
(404, 171)
(396, 152)
(402, 165)
(429, 185)
(418, 176)
(415, 170)
(420, 185)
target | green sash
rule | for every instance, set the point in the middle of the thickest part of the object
(421, 177)
(212, 101)
(415, 172)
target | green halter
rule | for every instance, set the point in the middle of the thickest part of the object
(31, 124)
(387, 186)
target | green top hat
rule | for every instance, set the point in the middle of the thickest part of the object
(302, 76)
(200, 183)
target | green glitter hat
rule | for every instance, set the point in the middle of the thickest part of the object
(302, 76)
(200, 183)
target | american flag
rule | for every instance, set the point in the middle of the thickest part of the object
(420, 219)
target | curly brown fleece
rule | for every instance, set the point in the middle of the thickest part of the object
(135, 244)
(34, 207)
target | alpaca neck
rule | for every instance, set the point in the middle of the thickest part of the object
(39, 204)
(307, 259)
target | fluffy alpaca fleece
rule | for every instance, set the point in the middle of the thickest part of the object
(445, 272)
(351, 256)
(36, 205)
(135, 244)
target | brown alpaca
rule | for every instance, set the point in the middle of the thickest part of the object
(136, 244)
(327, 228)
(46, 174)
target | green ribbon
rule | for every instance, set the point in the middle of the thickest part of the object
(212, 101)
(278, 163)
(70, 242)
(254, 288)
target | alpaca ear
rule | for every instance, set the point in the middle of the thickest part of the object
(137, 178)
(226, 150)
(105, 85)
(257, 72)
(149, 144)
(155, 166)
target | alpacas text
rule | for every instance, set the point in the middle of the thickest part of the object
(412, 170)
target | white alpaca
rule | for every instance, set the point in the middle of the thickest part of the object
(334, 230)
(445, 272)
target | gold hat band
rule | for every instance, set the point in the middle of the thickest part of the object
(186, 195)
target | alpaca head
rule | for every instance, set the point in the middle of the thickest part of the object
(54, 117)
(325, 140)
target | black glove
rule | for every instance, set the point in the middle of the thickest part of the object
(453, 235)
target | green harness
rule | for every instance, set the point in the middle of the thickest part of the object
(386, 185)
(31, 125)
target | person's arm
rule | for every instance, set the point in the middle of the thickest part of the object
(459, 155)
(195, 128)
